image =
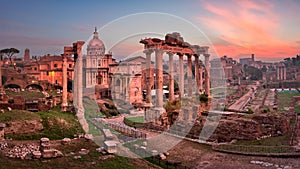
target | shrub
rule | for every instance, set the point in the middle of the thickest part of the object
(203, 98)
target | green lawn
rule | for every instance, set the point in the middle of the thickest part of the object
(93, 160)
(284, 99)
(57, 125)
(271, 141)
(25, 94)
(16, 115)
(137, 119)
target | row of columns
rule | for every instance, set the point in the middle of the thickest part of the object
(281, 73)
(159, 75)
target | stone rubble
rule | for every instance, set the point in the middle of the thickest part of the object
(3, 145)
(267, 164)
(22, 151)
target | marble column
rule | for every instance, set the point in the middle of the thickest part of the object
(284, 73)
(65, 84)
(171, 71)
(197, 73)
(148, 75)
(159, 77)
(278, 74)
(189, 74)
(200, 78)
(207, 77)
(79, 78)
(181, 76)
(282, 70)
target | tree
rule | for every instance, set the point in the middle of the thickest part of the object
(9, 52)
(264, 68)
(255, 73)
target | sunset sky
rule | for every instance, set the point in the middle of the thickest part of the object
(269, 29)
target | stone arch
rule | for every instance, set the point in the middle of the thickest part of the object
(12, 85)
(35, 86)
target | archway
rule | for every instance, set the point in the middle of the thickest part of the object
(35, 87)
(15, 86)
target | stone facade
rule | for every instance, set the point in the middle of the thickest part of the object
(96, 64)
(127, 80)
(49, 68)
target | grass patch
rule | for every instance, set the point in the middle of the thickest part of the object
(18, 115)
(56, 124)
(137, 119)
(297, 109)
(271, 141)
(284, 99)
(25, 94)
(93, 160)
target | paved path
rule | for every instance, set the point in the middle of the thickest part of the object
(241, 102)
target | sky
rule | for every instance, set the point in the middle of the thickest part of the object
(269, 29)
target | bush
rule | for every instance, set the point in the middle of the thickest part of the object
(174, 105)
(203, 98)
(250, 111)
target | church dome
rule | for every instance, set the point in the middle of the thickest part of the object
(95, 45)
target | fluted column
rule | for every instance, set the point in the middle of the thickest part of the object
(65, 84)
(181, 76)
(148, 77)
(207, 77)
(171, 71)
(197, 73)
(189, 73)
(159, 77)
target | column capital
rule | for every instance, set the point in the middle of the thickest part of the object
(170, 53)
(148, 51)
(159, 50)
(206, 55)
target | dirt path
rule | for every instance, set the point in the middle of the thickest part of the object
(241, 102)
(201, 156)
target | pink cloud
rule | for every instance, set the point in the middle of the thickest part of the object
(249, 27)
